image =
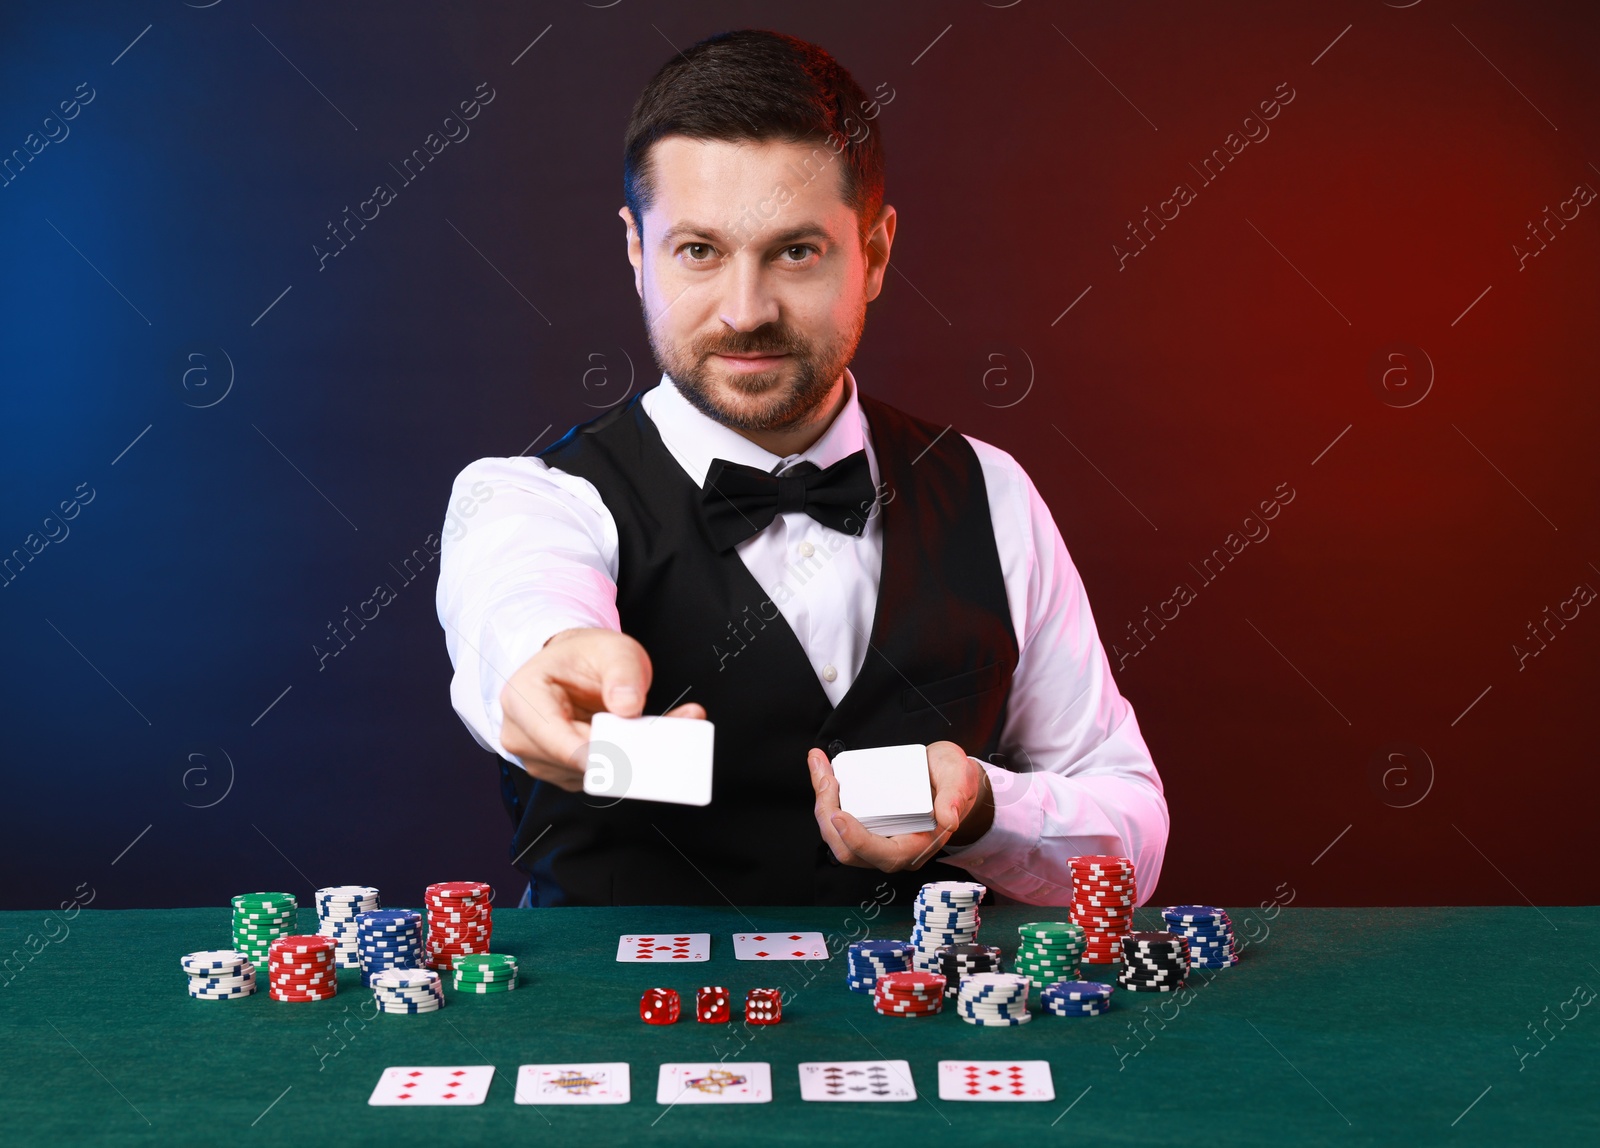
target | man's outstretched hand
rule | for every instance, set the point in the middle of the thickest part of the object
(963, 805)
(549, 701)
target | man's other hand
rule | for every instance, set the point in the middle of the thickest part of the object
(963, 806)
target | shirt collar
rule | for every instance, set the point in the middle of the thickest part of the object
(694, 439)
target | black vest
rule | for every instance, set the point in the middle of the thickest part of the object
(938, 668)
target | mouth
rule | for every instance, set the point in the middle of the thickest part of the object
(751, 362)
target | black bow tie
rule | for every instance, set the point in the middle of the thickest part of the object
(740, 501)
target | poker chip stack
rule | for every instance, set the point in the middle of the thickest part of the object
(1209, 932)
(1102, 904)
(407, 991)
(219, 975)
(485, 973)
(1050, 950)
(459, 921)
(866, 961)
(947, 914)
(990, 999)
(388, 939)
(300, 968)
(909, 994)
(1076, 998)
(1153, 962)
(261, 918)
(337, 909)
(958, 961)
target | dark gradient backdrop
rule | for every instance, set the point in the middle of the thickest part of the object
(1348, 306)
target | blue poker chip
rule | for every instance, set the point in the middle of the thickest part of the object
(1077, 991)
(1193, 914)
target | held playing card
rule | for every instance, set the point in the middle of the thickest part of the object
(725, 1082)
(664, 947)
(887, 789)
(417, 1086)
(995, 1080)
(649, 759)
(780, 946)
(865, 1080)
(573, 1083)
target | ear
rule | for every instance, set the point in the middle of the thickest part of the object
(880, 238)
(635, 249)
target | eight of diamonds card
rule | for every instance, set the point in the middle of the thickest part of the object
(664, 947)
(782, 946)
(995, 1080)
(573, 1083)
(726, 1082)
(856, 1080)
(413, 1087)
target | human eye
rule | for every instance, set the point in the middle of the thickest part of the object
(698, 253)
(806, 250)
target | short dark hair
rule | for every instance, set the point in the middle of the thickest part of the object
(758, 85)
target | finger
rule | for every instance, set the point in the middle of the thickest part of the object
(861, 847)
(890, 854)
(538, 723)
(687, 710)
(611, 674)
(827, 804)
(936, 844)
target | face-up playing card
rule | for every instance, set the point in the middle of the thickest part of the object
(727, 1082)
(650, 758)
(664, 947)
(573, 1083)
(780, 946)
(856, 1080)
(414, 1087)
(995, 1080)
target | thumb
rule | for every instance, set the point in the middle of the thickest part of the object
(622, 695)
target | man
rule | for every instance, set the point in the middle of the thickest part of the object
(894, 584)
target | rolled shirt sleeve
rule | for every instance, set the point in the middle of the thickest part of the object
(1081, 779)
(527, 552)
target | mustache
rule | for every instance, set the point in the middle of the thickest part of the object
(776, 343)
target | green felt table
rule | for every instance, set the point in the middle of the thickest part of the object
(1348, 1026)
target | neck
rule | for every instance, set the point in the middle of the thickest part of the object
(793, 440)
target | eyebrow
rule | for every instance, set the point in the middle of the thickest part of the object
(805, 230)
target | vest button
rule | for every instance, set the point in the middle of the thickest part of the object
(835, 748)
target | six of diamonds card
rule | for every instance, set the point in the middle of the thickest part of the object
(416, 1086)
(791, 946)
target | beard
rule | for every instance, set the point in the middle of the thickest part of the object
(780, 399)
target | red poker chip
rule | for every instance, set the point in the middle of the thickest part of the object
(303, 943)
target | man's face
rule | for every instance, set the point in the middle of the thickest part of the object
(752, 278)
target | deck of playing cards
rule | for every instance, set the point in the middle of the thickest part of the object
(649, 759)
(887, 789)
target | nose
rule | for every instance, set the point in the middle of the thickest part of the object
(747, 302)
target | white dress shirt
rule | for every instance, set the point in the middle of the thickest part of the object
(530, 550)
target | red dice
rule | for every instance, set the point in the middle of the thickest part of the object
(763, 1006)
(659, 1006)
(711, 1005)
